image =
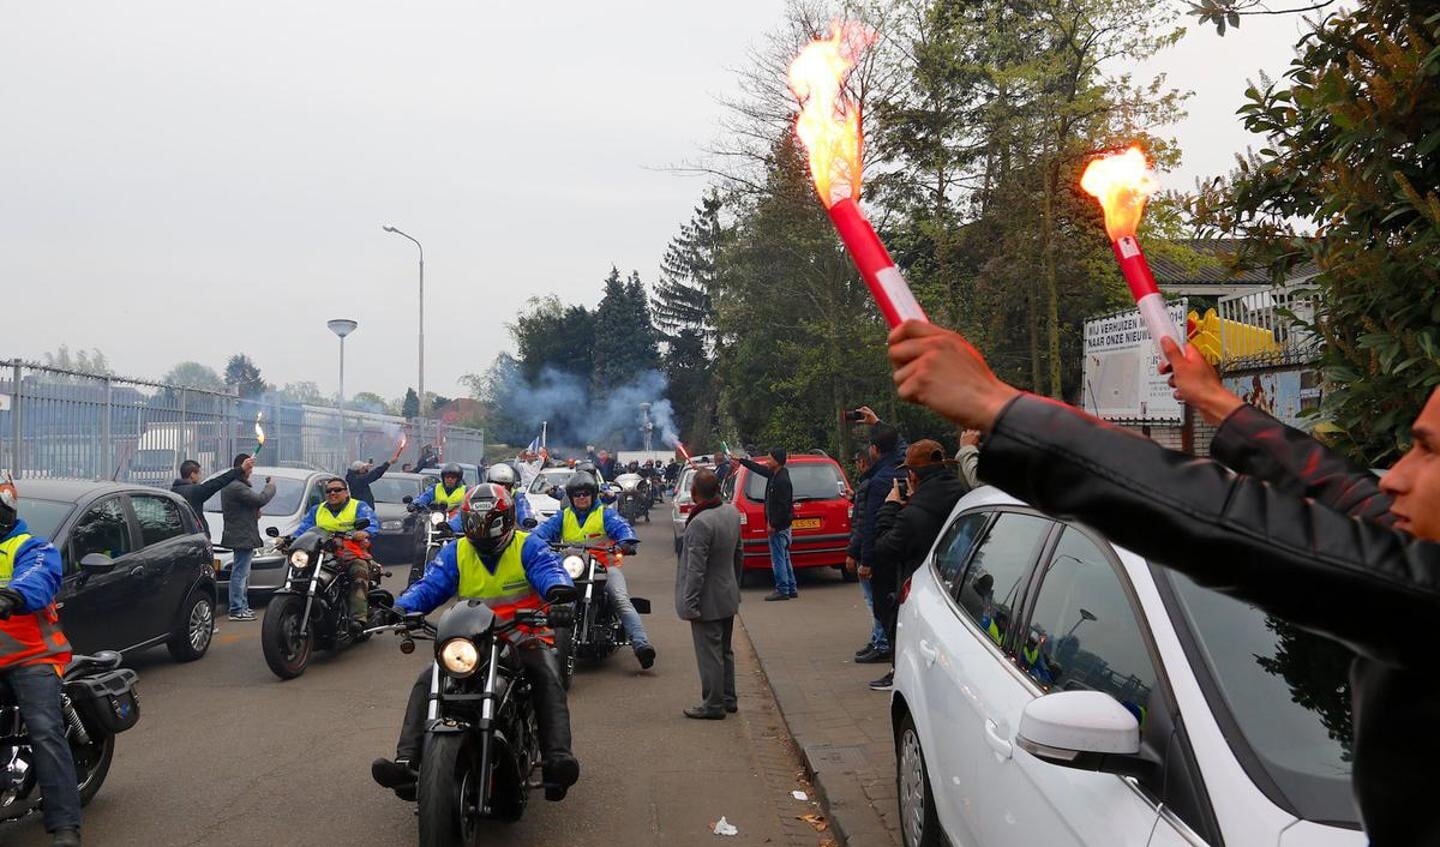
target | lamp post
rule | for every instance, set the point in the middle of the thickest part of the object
(342, 327)
(421, 377)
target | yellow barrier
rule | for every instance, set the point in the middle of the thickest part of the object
(1241, 339)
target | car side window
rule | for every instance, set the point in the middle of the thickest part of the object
(102, 529)
(159, 518)
(955, 545)
(727, 489)
(1083, 634)
(989, 591)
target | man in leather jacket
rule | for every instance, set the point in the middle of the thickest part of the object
(1297, 531)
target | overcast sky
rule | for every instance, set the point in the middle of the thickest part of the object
(187, 180)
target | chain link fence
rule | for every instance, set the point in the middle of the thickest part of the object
(60, 423)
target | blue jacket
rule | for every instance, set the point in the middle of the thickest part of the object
(882, 478)
(364, 511)
(38, 570)
(442, 578)
(427, 497)
(615, 526)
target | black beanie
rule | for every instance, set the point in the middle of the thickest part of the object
(779, 455)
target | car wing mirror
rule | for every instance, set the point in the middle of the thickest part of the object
(1084, 730)
(96, 563)
(272, 531)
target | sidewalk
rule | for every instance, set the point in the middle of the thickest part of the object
(842, 728)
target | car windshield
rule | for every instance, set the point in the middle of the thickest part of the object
(285, 502)
(394, 490)
(811, 481)
(545, 481)
(43, 517)
(1286, 692)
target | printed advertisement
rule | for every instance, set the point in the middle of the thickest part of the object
(1122, 376)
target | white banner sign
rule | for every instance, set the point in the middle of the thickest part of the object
(1122, 376)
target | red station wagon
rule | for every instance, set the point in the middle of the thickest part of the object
(821, 532)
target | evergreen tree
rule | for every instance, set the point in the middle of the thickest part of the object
(683, 296)
(626, 340)
(243, 373)
(410, 406)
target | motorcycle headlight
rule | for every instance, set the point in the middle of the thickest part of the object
(300, 560)
(575, 566)
(459, 657)
(437, 518)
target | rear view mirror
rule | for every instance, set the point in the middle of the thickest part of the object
(272, 531)
(97, 563)
(1084, 730)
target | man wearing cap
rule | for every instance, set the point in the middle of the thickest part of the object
(906, 526)
(779, 514)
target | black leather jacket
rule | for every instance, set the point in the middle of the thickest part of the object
(1298, 532)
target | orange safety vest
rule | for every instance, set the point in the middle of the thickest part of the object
(31, 638)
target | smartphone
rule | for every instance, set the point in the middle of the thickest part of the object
(904, 489)
(852, 416)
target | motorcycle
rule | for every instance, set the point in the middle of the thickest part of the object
(310, 609)
(99, 701)
(482, 745)
(436, 533)
(597, 632)
(634, 498)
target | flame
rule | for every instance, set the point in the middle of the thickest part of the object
(1122, 182)
(829, 123)
(259, 430)
(404, 439)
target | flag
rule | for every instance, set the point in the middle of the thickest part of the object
(534, 445)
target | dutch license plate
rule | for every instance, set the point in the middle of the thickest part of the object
(808, 523)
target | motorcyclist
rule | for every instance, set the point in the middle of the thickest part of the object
(584, 519)
(449, 491)
(35, 651)
(340, 512)
(504, 475)
(510, 571)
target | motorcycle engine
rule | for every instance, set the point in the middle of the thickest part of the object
(17, 775)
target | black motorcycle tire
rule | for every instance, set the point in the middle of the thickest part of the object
(286, 657)
(446, 774)
(92, 764)
(565, 653)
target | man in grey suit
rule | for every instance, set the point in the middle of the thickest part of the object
(240, 506)
(707, 593)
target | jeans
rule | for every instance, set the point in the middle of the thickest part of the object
(877, 629)
(240, 581)
(629, 618)
(780, 562)
(37, 692)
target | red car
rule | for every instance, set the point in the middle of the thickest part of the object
(821, 531)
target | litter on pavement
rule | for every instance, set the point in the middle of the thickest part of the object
(800, 795)
(724, 827)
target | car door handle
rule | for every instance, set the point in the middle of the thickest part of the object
(137, 571)
(997, 742)
(930, 653)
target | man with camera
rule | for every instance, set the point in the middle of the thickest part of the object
(886, 452)
(907, 523)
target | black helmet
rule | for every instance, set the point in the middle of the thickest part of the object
(582, 483)
(488, 518)
(502, 474)
(451, 469)
(9, 503)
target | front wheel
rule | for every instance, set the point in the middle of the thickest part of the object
(287, 652)
(448, 792)
(92, 763)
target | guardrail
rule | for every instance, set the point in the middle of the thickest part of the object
(1282, 311)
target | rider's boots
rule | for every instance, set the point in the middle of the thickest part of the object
(559, 768)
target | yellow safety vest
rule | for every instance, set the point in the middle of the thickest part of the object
(343, 522)
(450, 499)
(572, 532)
(34, 638)
(504, 590)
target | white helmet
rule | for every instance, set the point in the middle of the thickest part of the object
(502, 474)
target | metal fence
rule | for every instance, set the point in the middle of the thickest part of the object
(1280, 314)
(59, 423)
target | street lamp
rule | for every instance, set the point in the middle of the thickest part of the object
(342, 327)
(421, 378)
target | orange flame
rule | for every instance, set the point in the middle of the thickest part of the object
(404, 439)
(1122, 182)
(829, 123)
(259, 430)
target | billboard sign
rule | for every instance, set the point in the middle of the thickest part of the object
(1122, 369)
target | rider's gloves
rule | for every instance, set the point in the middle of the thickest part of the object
(561, 594)
(629, 547)
(10, 602)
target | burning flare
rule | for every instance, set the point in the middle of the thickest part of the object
(1122, 182)
(259, 430)
(829, 123)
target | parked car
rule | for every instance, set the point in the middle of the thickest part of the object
(297, 490)
(1052, 688)
(137, 565)
(538, 493)
(680, 503)
(821, 531)
(396, 542)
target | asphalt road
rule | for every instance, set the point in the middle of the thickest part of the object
(226, 754)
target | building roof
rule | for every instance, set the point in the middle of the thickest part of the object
(1208, 270)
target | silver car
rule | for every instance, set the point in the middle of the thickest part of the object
(297, 490)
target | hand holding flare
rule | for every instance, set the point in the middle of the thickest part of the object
(829, 126)
(1123, 182)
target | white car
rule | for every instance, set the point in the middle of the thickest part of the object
(296, 491)
(541, 503)
(1054, 689)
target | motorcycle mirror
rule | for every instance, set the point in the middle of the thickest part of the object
(272, 531)
(407, 646)
(530, 523)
